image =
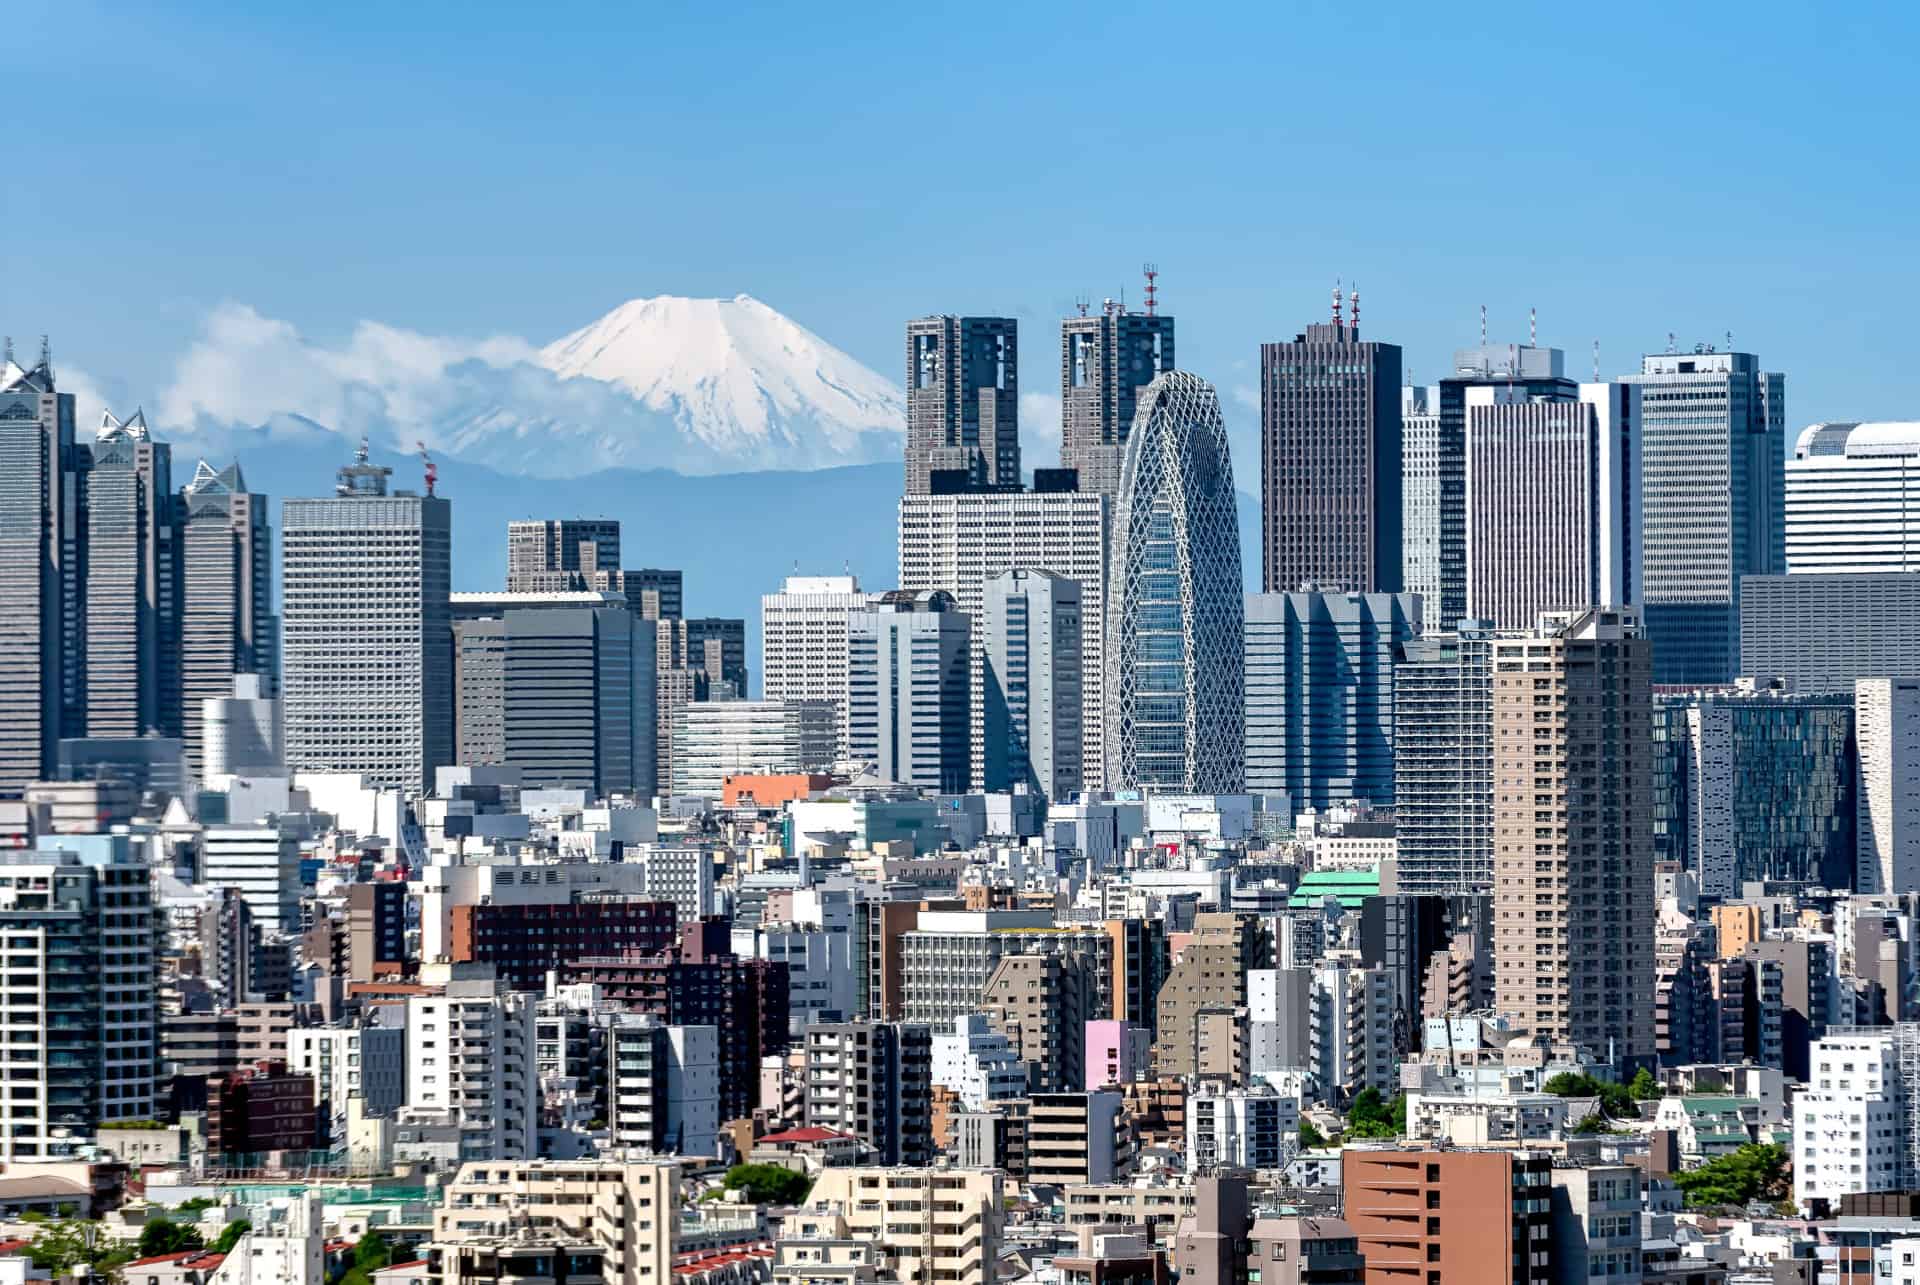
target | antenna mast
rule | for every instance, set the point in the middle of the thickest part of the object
(1533, 327)
(1336, 303)
(1483, 325)
(433, 474)
(1150, 271)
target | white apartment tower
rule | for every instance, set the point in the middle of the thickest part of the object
(1850, 1126)
(368, 668)
(803, 642)
(1886, 720)
(470, 1058)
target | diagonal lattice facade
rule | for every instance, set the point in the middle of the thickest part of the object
(1176, 705)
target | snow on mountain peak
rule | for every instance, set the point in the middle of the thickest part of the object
(738, 377)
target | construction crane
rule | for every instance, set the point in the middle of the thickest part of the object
(433, 474)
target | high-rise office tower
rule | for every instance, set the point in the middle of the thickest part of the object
(43, 541)
(560, 553)
(565, 695)
(1573, 832)
(1712, 440)
(1755, 784)
(803, 641)
(1443, 761)
(1330, 455)
(697, 660)
(1175, 685)
(963, 402)
(1434, 455)
(1033, 626)
(133, 584)
(1106, 359)
(368, 669)
(227, 625)
(1851, 500)
(713, 740)
(957, 543)
(79, 1000)
(1551, 506)
(908, 690)
(1319, 693)
(1887, 721)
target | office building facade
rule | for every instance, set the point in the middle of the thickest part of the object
(1853, 499)
(1443, 761)
(714, 740)
(803, 642)
(1886, 717)
(1033, 703)
(1175, 688)
(908, 693)
(1106, 359)
(963, 402)
(1330, 454)
(1712, 446)
(227, 623)
(133, 584)
(1573, 900)
(368, 667)
(561, 553)
(1823, 632)
(1319, 693)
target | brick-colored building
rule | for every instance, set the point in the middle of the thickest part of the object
(260, 1109)
(1432, 1217)
(524, 942)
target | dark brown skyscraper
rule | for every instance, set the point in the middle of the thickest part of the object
(1106, 359)
(1330, 460)
(963, 401)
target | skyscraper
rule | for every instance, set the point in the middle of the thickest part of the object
(43, 542)
(1330, 457)
(958, 543)
(1319, 693)
(1887, 718)
(803, 641)
(963, 401)
(133, 584)
(1712, 440)
(1551, 510)
(368, 671)
(1572, 832)
(227, 625)
(1853, 499)
(561, 553)
(1032, 627)
(908, 690)
(1106, 359)
(1434, 453)
(1175, 687)
(1443, 761)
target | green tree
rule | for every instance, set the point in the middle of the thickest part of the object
(1615, 1098)
(1643, 1086)
(373, 1252)
(1310, 1137)
(193, 1206)
(354, 1276)
(1373, 1117)
(165, 1236)
(230, 1236)
(1757, 1171)
(59, 1247)
(769, 1184)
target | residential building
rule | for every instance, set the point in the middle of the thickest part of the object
(1306, 1251)
(1712, 447)
(367, 671)
(1107, 358)
(1320, 692)
(1209, 977)
(524, 942)
(714, 740)
(132, 643)
(257, 1110)
(77, 995)
(874, 1080)
(1351, 1042)
(908, 690)
(803, 642)
(1455, 1214)
(1075, 1138)
(663, 1085)
(1573, 892)
(365, 1060)
(963, 402)
(1851, 505)
(1239, 1128)
(1175, 692)
(1852, 1129)
(43, 538)
(470, 1062)
(949, 956)
(958, 543)
(1443, 761)
(977, 1062)
(945, 1225)
(1033, 703)
(1596, 1223)
(1330, 456)
(630, 1210)
(1886, 716)
(1819, 633)
(1042, 1003)
(1117, 1052)
(1755, 785)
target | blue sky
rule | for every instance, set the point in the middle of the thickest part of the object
(475, 169)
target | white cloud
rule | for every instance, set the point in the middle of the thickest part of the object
(1039, 430)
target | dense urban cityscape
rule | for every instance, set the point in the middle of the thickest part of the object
(1523, 886)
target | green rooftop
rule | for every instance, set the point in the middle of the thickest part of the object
(1348, 887)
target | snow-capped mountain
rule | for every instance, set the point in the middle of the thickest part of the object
(739, 377)
(692, 385)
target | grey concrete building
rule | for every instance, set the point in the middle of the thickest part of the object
(1106, 360)
(133, 584)
(908, 691)
(803, 642)
(1712, 446)
(1823, 632)
(1033, 717)
(1319, 674)
(1443, 761)
(368, 668)
(713, 740)
(227, 623)
(43, 540)
(963, 402)
(875, 1081)
(1330, 453)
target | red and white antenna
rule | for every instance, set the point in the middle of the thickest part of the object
(1336, 303)
(433, 473)
(1151, 270)
(1353, 301)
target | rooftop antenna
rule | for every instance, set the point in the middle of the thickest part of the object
(433, 474)
(1596, 361)
(1483, 325)
(1533, 327)
(46, 355)
(9, 356)
(1353, 299)
(1083, 302)
(1729, 341)
(1669, 341)
(1336, 303)
(1150, 270)
(360, 455)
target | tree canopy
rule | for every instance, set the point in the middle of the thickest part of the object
(769, 1184)
(165, 1236)
(1615, 1098)
(1370, 1116)
(1757, 1171)
(1310, 1137)
(231, 1236)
